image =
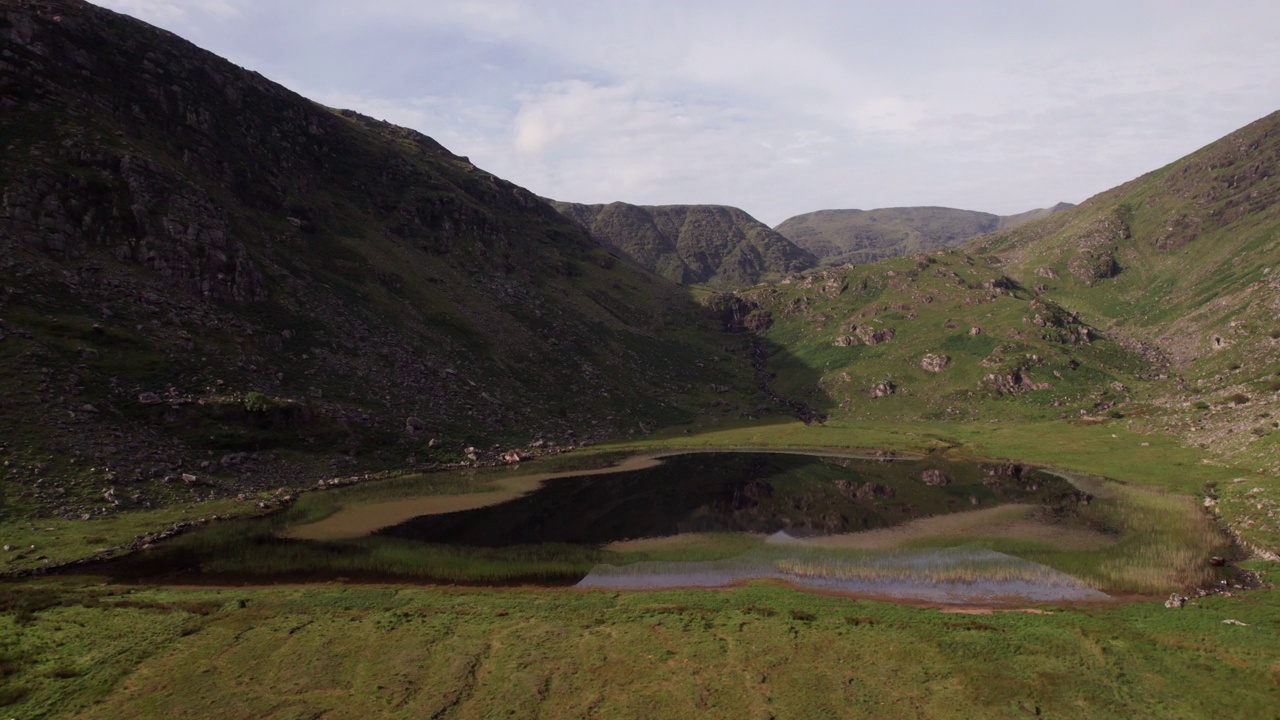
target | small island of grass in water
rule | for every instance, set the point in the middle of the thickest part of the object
(920, 530)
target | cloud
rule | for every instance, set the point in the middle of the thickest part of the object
(779, 109)
(174, 12)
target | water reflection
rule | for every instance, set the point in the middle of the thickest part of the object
(740, 492)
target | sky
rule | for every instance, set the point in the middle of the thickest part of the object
(776, 108)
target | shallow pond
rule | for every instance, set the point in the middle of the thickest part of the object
(913, 529)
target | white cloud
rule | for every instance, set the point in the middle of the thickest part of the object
(779, 109)
(168, 12)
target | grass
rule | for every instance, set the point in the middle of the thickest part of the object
(751, 652)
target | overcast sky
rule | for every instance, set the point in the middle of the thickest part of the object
(776, 108)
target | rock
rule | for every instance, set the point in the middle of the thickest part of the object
(1233, 621)
(1175, 601)
(875, 337)
(883, 389)
(88, 408)
(149, 398)
(935, 363)
(935, 477)
(1047, 272)
(845, 341)
(975, 330)
(89, 354)
(717, 388)
(874, 490)
(414, 426)
(512, 457)
(190, 479)
(10, 548)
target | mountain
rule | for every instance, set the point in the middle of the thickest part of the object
(1183, 263)
(211, 283)
(692, 244)
(859, 236)
(934, 336)
(1008, 222)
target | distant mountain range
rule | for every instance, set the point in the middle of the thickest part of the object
(724, 247)
(859, 236)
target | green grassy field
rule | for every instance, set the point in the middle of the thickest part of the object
(72, 647)
(758, 651)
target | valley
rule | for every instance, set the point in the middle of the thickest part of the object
(304, 415)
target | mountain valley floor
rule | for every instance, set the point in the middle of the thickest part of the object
(73, 646)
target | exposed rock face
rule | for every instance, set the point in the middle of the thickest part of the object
(1093, 265)
(1012, 382)
(845, 341)
(713, 244)
(872, 336)
(935, 363)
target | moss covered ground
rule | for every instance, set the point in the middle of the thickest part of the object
(73, 647)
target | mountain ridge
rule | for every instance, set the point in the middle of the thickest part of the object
(841, 236)
(203, 265)
(716, 245)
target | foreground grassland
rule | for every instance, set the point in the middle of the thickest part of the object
(753, 652)
(73, 647)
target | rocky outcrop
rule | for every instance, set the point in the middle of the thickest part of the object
(935, 363)
(873, 336)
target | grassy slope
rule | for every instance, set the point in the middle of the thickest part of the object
(932, 304)
(752, 652)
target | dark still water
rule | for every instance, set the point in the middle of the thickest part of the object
(747, 514)
(738, 492)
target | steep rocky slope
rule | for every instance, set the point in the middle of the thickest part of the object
(1182, 264)
(692, 244)
(859, 236)
(211, 284)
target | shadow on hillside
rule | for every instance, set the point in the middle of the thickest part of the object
(774, 365)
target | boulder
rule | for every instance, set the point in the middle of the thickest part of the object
(871, 336)
(883, 389)
(414, 426)
(935, 363)
(149, 398)
(512, 457)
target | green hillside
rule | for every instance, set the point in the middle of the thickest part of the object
(692, 244)
(207, 275)
(1179, 265)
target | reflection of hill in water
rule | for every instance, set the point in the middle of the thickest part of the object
(740, 492)
(949, 575)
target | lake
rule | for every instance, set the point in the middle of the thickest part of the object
(915, 529)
